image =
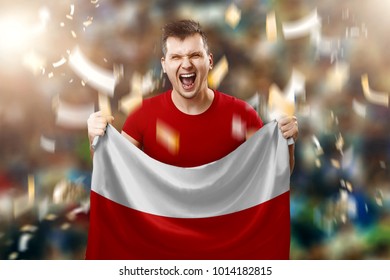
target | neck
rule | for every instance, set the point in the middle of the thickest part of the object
(195, 105)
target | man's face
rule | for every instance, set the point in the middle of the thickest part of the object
(187, 65)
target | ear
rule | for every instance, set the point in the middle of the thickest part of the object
(163, 64)
(211, 61)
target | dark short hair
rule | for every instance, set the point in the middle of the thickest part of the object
(182, 29)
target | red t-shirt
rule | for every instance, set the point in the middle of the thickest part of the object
(171, 136)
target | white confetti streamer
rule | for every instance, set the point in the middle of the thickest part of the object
(98, 77)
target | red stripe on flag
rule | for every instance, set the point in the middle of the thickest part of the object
(119, 232)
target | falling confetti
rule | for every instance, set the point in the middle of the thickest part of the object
(340, 143)
(21, 205)
(319, 150)
(167, 137)
(31, 189)
(270, 27)
(218, 73)
(23, 242)
(99, 78)
(295, 86)
(47, 144)
(309, 25)
(359, 108)
(59, 63)
(337, 76)
(74, 116)
(129, 103)
(378, 98)
(278, 104)
(88, 22)
(238, 128)
(335, 163)
(233, 15)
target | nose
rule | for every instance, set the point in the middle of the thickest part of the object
(186, 63)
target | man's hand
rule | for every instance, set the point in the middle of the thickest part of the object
(97, 124)
(289, 127)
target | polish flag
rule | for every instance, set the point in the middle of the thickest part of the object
(235, 208)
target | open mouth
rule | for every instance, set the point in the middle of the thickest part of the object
(187, 80)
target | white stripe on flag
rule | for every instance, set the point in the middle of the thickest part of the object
(254, 173)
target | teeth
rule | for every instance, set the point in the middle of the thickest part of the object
(187, 75)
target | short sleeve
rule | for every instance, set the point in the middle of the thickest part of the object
(134, 124)
(253, 119)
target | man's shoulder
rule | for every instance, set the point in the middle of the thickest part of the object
(233, 101)
(156, 100)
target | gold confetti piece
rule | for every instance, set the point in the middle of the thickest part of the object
(378, 98)
(88, 22)
(270, 27)
(309, 25)
(232, 15)
(318, 163)
(13, 256)
(99, 78)
(279, 105)
(129, 103)
(65, 226)
(343, 218)
(21, 205)
(167, 137)
(74, 116)
(359, 108)
(51, 217)
(94, 1)
(379, 198)
(319, 150)
(337, 76)
(335, 163)
(60, 62)
(340, 143)
(28, 227)
(218, 73)
(133, 100)
(31, 189)
(69, 17)
(349, 186)
(104, 104)
(74, 35)
(50, 75)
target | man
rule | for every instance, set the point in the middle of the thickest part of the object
(191, 124)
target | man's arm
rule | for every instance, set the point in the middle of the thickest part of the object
(289, 128)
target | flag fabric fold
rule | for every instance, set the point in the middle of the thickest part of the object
(234, 208)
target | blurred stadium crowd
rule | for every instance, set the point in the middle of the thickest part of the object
(324, 60)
